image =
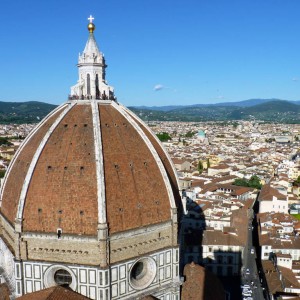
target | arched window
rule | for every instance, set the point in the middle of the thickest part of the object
(97, 87)
(88, 84)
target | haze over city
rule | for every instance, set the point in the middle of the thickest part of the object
(158, 52)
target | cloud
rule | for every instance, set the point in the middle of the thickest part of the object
(158, 87)
(295, 79)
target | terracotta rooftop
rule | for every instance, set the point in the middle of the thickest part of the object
(54, 293)
(267, 193)
(283, 255)
(289, 278)
(217, 237)
(220, 167)
(56, 177)
(4, 292)
(201, 284)
(272, 277)
(277, 217)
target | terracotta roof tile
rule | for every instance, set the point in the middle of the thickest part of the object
(14, 182)
(63, 190)
(54, 293)
(272, 277)
(267, 192)
(139, 200)
(4, 292)
(201, 284)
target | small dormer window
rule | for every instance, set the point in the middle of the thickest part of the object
(59, 233)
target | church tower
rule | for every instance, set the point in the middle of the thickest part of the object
(91, 67)
(91, 200)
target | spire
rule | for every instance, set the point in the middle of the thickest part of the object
(91, 45)
(91, 67)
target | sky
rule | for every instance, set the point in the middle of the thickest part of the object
(158, 52)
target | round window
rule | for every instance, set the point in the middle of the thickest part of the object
(62, 277)
(142, 273)
(139, 271)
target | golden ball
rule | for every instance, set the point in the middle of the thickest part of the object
(91, 27)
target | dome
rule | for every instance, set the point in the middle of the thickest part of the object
(89, 162)
(91, 199)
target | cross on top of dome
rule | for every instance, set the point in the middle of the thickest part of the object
(91, 18)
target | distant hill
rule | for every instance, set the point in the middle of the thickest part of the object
(274, 106)
(243, 103)
(249, 102)
(24, 112)
(281, 111)
(273, 110)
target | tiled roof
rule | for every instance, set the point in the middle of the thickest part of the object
(267, 193)
(289, 278)
(4, 292)
(216, 237)
(272, 277)
(54, 293)
(200, 284)
(62, 184)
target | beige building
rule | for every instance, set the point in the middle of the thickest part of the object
(271, 200)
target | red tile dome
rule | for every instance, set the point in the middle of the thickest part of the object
(89, 162)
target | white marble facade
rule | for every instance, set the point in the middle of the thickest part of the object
(96, 283)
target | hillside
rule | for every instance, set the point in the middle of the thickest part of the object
(280, 111)
(271, 111)
(243, 103)
(24, 112)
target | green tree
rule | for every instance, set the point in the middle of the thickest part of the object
(208, 163)
(2, 173)
(297, 181)
(190, 134)
(200, 167)
(254, 182)
(163, 136)
(241, 182)
(5, 141)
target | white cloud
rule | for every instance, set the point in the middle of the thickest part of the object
(158, 87)
(295, 79)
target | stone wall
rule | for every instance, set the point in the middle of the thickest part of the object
(65, 250)
(140, 242)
